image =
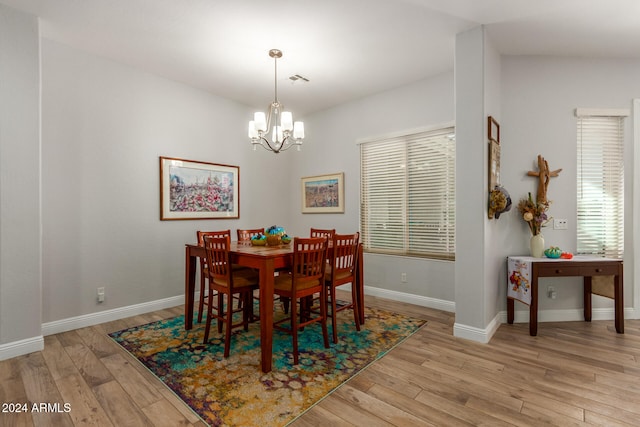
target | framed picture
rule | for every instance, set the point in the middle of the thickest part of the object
(198, 190)
(494, 164)
(323, 194)
(493, 129)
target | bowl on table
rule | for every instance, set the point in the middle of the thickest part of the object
(258, 242)
(553, 252)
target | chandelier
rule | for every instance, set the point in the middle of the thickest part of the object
(285, 133)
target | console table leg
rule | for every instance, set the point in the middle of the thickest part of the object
(510, 310)
(619, 303)
(533, 309)
(587, 298)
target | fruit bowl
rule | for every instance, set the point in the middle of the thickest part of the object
(258, 242)
(553, 252)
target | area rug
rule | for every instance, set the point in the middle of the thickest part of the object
(234, 391)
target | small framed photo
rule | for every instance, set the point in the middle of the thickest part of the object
(323, 194)
(198, 190)
(493, 130)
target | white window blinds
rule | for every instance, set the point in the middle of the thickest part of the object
(408, 194)
(600, 221)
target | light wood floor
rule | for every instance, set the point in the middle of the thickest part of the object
(572, 373)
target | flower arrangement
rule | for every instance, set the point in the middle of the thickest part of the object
(534, 213)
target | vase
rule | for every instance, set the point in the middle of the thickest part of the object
(536, 245)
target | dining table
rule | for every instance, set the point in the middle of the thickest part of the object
(267, 260)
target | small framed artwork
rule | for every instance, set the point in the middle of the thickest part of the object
(198, 190)
(323, 194)
(493, 129)
(494, 164)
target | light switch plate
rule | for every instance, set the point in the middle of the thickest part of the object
(560, 224)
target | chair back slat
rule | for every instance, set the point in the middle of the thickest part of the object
(309, 261)
(246, 235)
(220, 233)
(218, 258)
(319, 232)
(345, 251)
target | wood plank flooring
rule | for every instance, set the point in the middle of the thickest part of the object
(571, 374)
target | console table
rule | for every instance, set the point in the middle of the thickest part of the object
(587, 267)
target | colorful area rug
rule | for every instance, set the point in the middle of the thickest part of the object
(234, 391)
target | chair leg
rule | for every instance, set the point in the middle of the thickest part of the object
(202, 296)
(209, 316)
(229, 322)
(331, 291)
(247, 309)
(294, 329)
(354, 306)
(220, 310)
(323, 314)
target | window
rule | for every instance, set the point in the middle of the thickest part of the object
(408, 194)
(600, 221)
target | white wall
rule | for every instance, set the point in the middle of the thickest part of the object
(20, 216)
(539, 96)
(471, 184)
(104, 127)
(495, 230)
(331, 147)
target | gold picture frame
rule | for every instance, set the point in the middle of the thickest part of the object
(323, 193)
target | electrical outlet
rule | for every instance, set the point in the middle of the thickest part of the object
(100, 292)
(403, 277)
(560, 224)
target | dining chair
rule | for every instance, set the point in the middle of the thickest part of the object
(305, 279)
(340, 271)
(204, 274)
(245, 235)
(318, 232)
(224, 281)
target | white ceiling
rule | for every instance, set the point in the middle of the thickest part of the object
(348, 49)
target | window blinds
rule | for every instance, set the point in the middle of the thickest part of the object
(600, 221)
(408, 194)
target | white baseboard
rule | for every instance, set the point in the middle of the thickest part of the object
(30, 345)
(18, 348)
(476, 334)
(83, 321)
(410, 298)
(569, 315)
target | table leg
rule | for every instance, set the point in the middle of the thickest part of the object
(533, 309)
(266, 314)
(360, 283)
(587, 298)
(189, 288)
(619, 303)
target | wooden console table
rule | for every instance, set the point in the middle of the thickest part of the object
(587, 267)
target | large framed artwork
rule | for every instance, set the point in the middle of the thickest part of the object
(198, 190)
(323, 193)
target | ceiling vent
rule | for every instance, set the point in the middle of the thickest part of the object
(297, 78)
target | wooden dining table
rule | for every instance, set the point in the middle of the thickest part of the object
(266, 259)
